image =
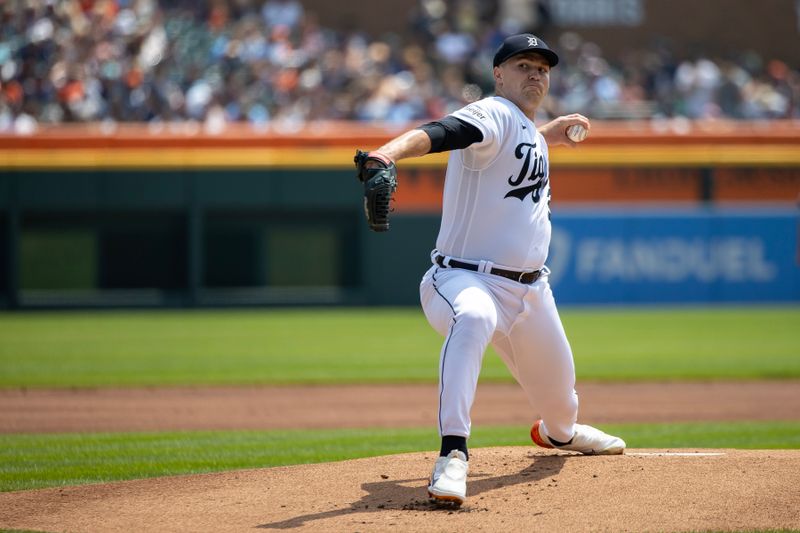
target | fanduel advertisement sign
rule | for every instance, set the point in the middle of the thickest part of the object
(702, 255)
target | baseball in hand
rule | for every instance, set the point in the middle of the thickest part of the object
(576, 133)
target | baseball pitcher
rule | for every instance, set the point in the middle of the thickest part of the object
(488, 282)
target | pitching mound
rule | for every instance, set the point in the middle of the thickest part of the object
(510, 489)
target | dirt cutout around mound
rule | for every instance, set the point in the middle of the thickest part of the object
(510, 489)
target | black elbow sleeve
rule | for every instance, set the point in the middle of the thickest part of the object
(436, 133)
(451, 133)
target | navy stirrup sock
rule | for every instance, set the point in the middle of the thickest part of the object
(452, 442)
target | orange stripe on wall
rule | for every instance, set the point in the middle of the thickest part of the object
(342, 158)
(368, 135)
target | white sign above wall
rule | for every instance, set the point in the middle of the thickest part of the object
(597, 12)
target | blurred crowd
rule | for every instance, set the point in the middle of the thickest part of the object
(270, 63)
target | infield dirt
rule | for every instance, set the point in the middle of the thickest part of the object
(509, 488)
(324, 407)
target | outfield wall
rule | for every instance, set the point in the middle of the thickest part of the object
(135, 217)
(628, 254)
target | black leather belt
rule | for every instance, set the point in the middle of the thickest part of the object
(522, 277)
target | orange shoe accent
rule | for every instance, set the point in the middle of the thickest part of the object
(446, 499)
(536, 437)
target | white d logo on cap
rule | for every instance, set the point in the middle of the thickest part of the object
(532, 41)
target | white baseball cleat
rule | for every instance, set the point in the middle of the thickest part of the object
(587, 440)
(449, 478)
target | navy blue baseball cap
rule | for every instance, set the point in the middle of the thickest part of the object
(524, 42)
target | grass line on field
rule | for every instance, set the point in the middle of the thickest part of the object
(376, 345)
(45, 460)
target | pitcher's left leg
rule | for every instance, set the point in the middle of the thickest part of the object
(538, 349)
(546, 371)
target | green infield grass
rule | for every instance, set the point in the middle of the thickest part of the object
(46, 460)
(130, 348)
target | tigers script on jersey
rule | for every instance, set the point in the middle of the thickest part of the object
(497, 192)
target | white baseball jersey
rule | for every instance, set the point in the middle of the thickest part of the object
(497, 191)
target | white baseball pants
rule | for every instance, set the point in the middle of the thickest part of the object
(473, 309)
